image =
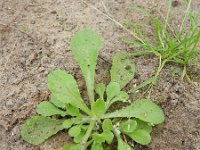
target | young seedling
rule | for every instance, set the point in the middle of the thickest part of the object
(92, 127)
(178, 46)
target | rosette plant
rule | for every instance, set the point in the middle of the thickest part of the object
(94, 125)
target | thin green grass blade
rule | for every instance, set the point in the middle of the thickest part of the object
(143, 84)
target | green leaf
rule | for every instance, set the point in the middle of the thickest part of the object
(69, 122)
(122, 70)
(39, 128)
(114, 94)
(100, 89)
(75, 131)
(99, 138)
(78, 138)
(107, 125)
(85, 46)
(143, 126)
(56, 102)
(99, 107)
(108, 137)
(140, 136)
(96, 146)
(72, 110)
(112, 90)
(122, 145)
(70, 146)
(48, 109)
(128, 126)
(64, 88)
(144, 109)
(122, 97)
(140, 133)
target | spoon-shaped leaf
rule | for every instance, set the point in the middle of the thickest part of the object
(122, 145)
(39, 128)
(56, 102)
(100, 89)
(64, 88)
(128, 126)
(112, 90)
(99, 107)
(144, 109)
(96, 146)
(48, 109)
(140, 136)
(85, 46)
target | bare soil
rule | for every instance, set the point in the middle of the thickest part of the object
(35, 39)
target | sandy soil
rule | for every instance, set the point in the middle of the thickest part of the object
(35, 39)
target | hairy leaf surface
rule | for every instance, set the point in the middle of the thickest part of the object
(79, 137)
(75, 130)
(48, 109)
(39, 128)
(144, 109)
(100, 89)
(122, 97)
(96, 146)
(99, 107)
(57, 102)
(122, 70)
(108, 137)
(107, 125)
(99, 138)
(70, 146)
(128, 126)
(143, 126)
(122, 145)
(104, 136)
(64, 88)
(140, 136)
(72, 110)
(112, 90)
(85, 47)
(69, 122)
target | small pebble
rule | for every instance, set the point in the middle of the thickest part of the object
(53, 12)
(33, 56)
(33, 22)
(175, 3)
